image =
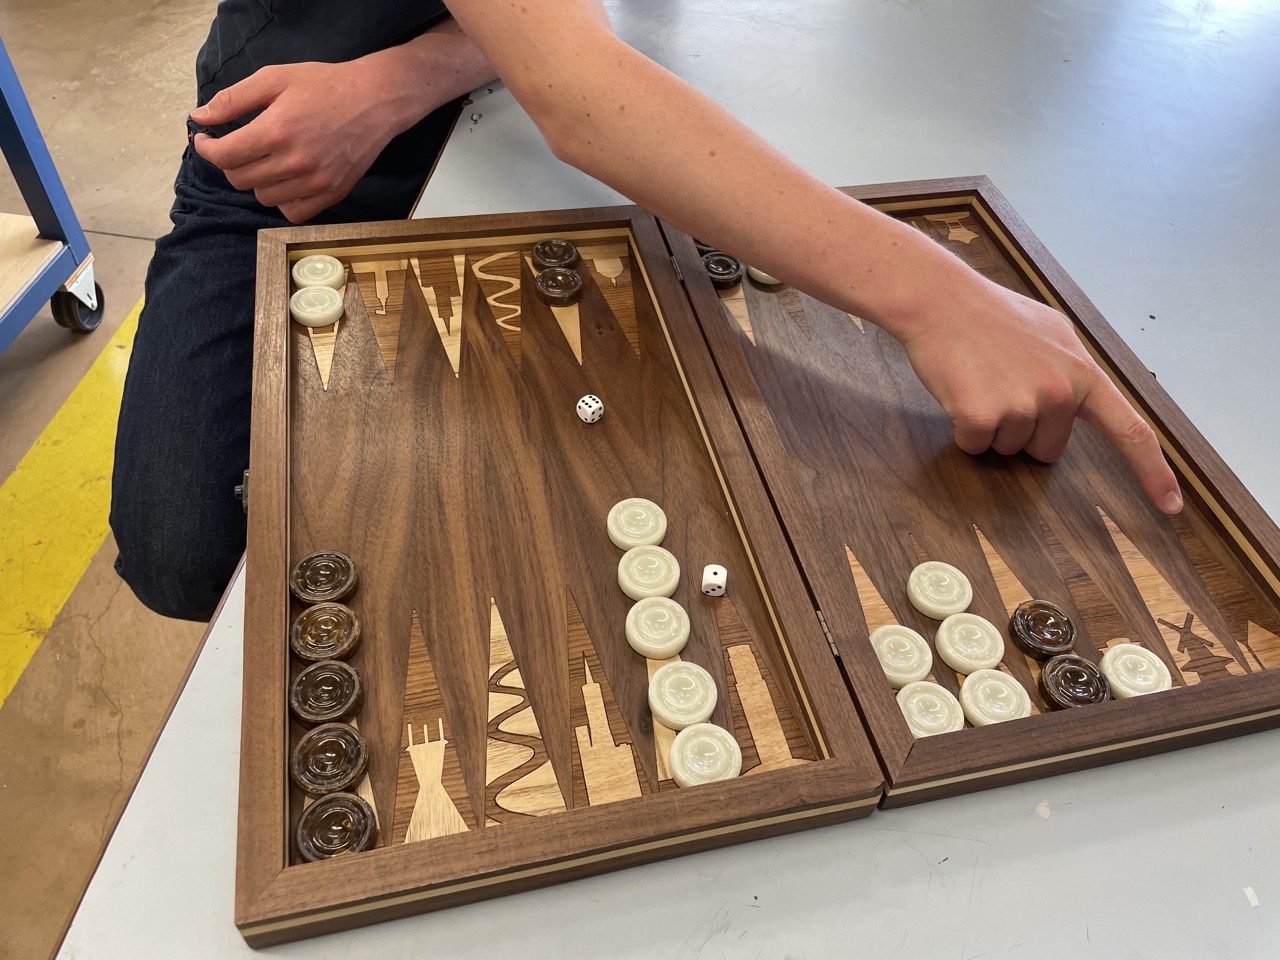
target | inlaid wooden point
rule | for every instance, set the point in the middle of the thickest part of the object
(324, 341)
(506, 302)
(793, 303)
(735, 303)
(608, 767)
(518, 776)
(434, 812)
(761, 712)
(1264, 645)
(450, 336)
(875, 611)
(1193, 646)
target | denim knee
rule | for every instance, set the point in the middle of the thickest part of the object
(175, 577)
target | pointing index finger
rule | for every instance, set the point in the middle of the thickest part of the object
(1107, 410)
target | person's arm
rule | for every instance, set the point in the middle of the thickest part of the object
(323, 124)
(1010, 372)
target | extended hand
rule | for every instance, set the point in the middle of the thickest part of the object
(321, 126)
(1012, 375)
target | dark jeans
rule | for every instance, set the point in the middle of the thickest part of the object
(183, 438)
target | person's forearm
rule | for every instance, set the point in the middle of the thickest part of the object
(710, 175)
(1011, 373)
(427, 72)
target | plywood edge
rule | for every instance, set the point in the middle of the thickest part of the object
(23, 254)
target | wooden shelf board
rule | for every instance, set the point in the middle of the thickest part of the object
(22, 255)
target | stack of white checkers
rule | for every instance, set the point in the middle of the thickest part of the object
(320, 279)
(974, 648)
(967, 643)
(682, 695)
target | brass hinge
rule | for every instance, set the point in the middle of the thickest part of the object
(676, 267)
(826, 631)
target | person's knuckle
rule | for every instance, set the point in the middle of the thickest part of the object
(1135, 430)
(328, 181)
(1059, 394)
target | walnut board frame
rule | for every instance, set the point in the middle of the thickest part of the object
(863, 503)
(750, 383)
(431, 436)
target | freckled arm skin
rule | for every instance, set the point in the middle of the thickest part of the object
(1010, 372)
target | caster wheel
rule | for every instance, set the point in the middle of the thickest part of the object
(71, 313)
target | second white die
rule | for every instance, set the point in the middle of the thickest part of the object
(713, 580)
(590, 408)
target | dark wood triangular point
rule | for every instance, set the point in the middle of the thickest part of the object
(356, 356)
(381, 287)
(610, 265)
(424, 304)
(921, 555)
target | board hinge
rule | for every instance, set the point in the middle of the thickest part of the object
(826, 631)
(676, 267)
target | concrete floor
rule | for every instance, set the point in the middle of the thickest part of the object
(109, 83)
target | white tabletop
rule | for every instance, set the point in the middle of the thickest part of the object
(1141, 142)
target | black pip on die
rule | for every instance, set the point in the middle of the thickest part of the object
(713, 580)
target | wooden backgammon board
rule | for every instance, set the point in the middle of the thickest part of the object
(430, 435)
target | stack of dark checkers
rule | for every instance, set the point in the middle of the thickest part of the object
(557, 283)
(1044, 631)
(506, 731)
(330, 759)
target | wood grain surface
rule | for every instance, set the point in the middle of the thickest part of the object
(861, 463)
(510, 738)
(431, 436)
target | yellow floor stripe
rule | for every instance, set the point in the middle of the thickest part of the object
(53, 507)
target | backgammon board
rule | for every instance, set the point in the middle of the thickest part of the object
(431, 436)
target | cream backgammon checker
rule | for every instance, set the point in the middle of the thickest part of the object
(433, 436)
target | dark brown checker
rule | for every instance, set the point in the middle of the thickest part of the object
(431, 436)
(868, 482)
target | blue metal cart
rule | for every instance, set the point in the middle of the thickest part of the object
(44, 256)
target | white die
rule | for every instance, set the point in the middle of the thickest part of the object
(713, 580)
(590, 408)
